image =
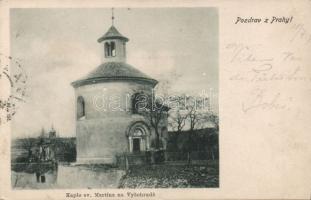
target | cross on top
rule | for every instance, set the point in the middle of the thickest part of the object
(112, 15)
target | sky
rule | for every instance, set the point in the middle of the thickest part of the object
(58, 46)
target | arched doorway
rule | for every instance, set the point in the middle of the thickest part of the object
(138, 138)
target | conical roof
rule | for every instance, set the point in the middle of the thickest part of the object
(112, 71)
(112, 33)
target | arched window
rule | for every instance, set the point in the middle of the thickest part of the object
(80, 108)
(139, 102)
(113, 49)
(110, 49)
(107, 47)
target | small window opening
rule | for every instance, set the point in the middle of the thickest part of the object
(110, 49)
(80, 108)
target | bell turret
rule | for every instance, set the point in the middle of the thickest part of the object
(113, 45)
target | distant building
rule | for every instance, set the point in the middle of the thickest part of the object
(49, 134)
(52, 133)
(45, 150)
(107, 121)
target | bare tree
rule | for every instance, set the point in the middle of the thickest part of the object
(211, 117)
(27, 144)
(158, 111)
(195, 114)
(153, 110)
(194, 118)
(215, 119)
(212, 138)
(156, 114)
(177, 119)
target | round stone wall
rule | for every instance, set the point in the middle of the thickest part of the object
(102, 127)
